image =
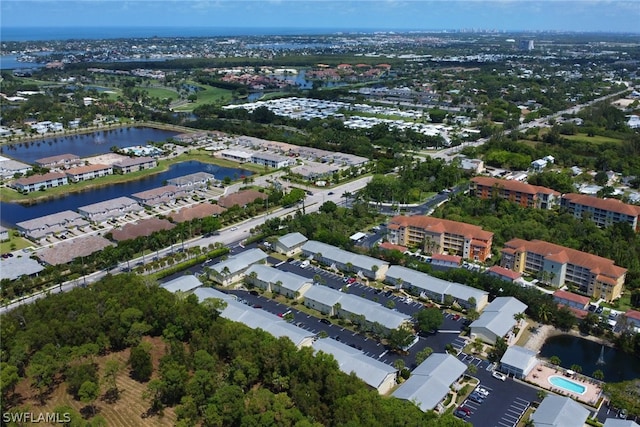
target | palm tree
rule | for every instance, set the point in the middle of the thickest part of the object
(472, 369)
(598, 374)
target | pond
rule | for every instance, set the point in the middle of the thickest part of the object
(14, 212)
(84, 145)
(572, 350)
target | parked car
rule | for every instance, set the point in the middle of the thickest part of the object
(456, 317)
(499, 375)
(325, 321)
(592, 308)
(482, 391)
(305, 263)
(475, 397)
(233, 228)
(351, 280)
(460, 414)
(599, 310)
(622, 414)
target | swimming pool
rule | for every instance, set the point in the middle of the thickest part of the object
(568, 385)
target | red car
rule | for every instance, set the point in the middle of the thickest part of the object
(456, 317)
(351, 280)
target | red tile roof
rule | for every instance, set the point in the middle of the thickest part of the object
(569, 296)
(596, 264)
(512, 185)
(611, 205)
(505, 272)
(580, 314)
(35, 179)
(446, 258)
(390, 247)
(438, 225)
(632, 314)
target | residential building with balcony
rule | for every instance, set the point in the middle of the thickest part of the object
(85, 173)
(594, 276)
(436, 235)
(59, 161)
(113, 208)
(38, 182)
(525, 195)
(134, 164)
(603, 212)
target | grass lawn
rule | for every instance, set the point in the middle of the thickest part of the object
(622, 304)
(157, 92)
(592, 139)
(209, 95)
(18, 242)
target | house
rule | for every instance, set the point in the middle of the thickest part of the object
(194, 181)
(559, 411)
(182, 284)
(525, 195)
(632, 319)
(233, 268)
(376, 374)
(518, 361)
(603, 212)
(281, 282)
(56, 223)
(167, 194)
(59, 161)
(349, 262)
(574, 302)
(241, 198)
(85, 173)
(114, 208)
(40, 182)
(504, 274)
(431, 382)
(426, 286)
(290, 244)
(354, 308)
(446, 260)
(134, 164)
(497, 320)
(439, 236)
(595, 276)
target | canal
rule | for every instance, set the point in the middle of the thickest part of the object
(617, 366)
(12, 213)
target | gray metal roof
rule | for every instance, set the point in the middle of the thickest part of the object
(12, 268)
(240, 262)
(559, 411)
(617, 422)
(290, 281)
(431, 380)
(369, 370)
(292, 239)
(204, 293)
(372, 311)
(341, 256)
(518, 357)
(433, 284)
(196, 177)
(182, 284)
(497, 317)
(110, 205)
(59, 218)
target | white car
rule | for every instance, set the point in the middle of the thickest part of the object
(499, 375)
(482, 391)
(233, 228)
(305, 264)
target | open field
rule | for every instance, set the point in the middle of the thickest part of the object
(210, 95)
(158, 92)
(126, 412)
(596, 139)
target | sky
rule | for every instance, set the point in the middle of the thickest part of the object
(503, 15)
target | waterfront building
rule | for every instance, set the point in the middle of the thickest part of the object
(270, 160)
(603, 212)
(40, 182)
(594, 276)
(4, 234)
(134, 164)
(236, 156)
(574, 302)
(56, 223)
(157, 196)
(9, 168)
(518, 361)
(59, 161)
(526, 195)
(85, 173)
(439, 236)
(192, 182)
(114, 208)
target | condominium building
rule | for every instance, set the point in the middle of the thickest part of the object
(526, 195)
(84, 173)
(595, 276)
(40, 182)
(603, 212)
(59, 161)
(134, 164)
(436, 235)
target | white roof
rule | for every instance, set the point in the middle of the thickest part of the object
(518, 357)
(560, 411)
(240, 262)
(369, 370)
(182, 284)
(290, 281)
(12, 268)
(292, 239)
(431, 380)
(204, 293)
(341, 256)
(497, 317)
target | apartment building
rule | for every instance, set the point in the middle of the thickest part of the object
(38, 182)
(436, 235)
(526, 195)
(595, 276)
(85, 173)
(134, 164)
(603, 212)
(59, 161)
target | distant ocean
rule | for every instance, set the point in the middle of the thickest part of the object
(65, 33)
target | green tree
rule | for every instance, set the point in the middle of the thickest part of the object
(8, 379)
(472, 369)
(555, 360)
(423, 354)
(400, 338)
(429, 319)
(88, 393)
(140, 363)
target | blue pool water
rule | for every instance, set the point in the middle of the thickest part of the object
(566, 384)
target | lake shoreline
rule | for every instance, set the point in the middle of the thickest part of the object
(537, 340)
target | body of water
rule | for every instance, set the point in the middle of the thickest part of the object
(618, 366)
(12, 213)
(84, 145)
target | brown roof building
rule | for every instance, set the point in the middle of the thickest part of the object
(595, 276)
(435, 235)
(83, 173)
(603, 212)
(202, 210)
(145, 227)
(241, 198)
(38, 182)
(526, 195)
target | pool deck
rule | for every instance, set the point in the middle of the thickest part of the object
(540, 374)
